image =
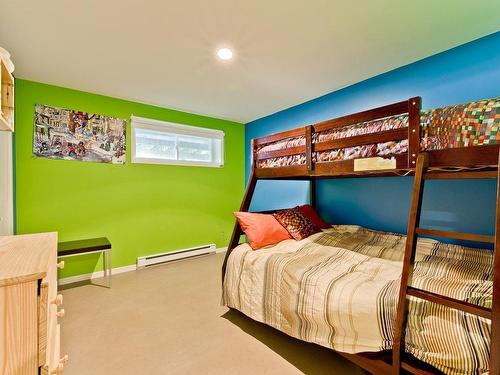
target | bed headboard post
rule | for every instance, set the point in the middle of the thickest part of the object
(413, 130)
(310, 165)
(312, 192)
(495, 308)
(309, 149)
(253, 154)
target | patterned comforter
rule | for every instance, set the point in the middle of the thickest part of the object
(471, 124)
(339, 289)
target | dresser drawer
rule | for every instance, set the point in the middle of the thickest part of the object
(43, 323)
(29, 336)
(49, 303)
(55, 365)
(18, 337)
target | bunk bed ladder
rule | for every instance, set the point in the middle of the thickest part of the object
(237, 232)
(398, 362)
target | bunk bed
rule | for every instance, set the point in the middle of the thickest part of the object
(457, 142)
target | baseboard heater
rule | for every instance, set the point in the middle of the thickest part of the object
(151, 260)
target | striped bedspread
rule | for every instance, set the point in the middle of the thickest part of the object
(339, 289)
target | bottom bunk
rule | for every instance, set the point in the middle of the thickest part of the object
(339, 289)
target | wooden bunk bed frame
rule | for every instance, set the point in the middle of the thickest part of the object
(453, 163)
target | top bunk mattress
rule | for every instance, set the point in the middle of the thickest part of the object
(339, 289)
(463, 125)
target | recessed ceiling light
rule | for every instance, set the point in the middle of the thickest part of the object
(225, 54)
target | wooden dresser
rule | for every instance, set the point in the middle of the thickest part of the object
(30, 306)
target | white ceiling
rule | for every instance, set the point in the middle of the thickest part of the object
(287, 51)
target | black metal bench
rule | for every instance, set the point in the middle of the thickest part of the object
(89, 246)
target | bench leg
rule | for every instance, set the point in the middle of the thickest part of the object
(106, 266)
(110, 267)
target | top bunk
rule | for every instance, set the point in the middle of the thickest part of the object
(385, 141)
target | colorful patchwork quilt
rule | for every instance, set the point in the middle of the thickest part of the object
(463, 125)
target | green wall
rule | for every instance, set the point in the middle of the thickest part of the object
(142, 209)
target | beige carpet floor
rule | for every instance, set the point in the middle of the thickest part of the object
(168, 320)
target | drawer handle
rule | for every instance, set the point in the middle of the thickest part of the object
(58, 370)
(60, 265)
(61, 313)
(58, 300)
(60, 367)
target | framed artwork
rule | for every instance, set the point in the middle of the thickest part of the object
(74, 135)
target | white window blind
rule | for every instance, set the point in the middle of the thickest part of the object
(159, 142)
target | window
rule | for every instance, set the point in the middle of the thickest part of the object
(158, 142)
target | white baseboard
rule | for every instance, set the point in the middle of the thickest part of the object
(98, 274)
(95, 275)
(221, 250)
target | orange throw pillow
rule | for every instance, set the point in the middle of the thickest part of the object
(261, 229)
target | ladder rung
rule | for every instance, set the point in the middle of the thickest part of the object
(456, 235)
(450, 302)
(460, 175)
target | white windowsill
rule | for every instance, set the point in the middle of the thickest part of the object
(175, 162)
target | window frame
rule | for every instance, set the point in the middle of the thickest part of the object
(176, 129)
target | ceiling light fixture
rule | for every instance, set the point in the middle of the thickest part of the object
(225, 54)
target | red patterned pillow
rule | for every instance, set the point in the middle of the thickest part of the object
(296, 223)
(311, 213)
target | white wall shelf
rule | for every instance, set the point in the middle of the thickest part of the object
(6, 99)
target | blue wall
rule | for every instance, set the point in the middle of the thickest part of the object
(466, 73)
